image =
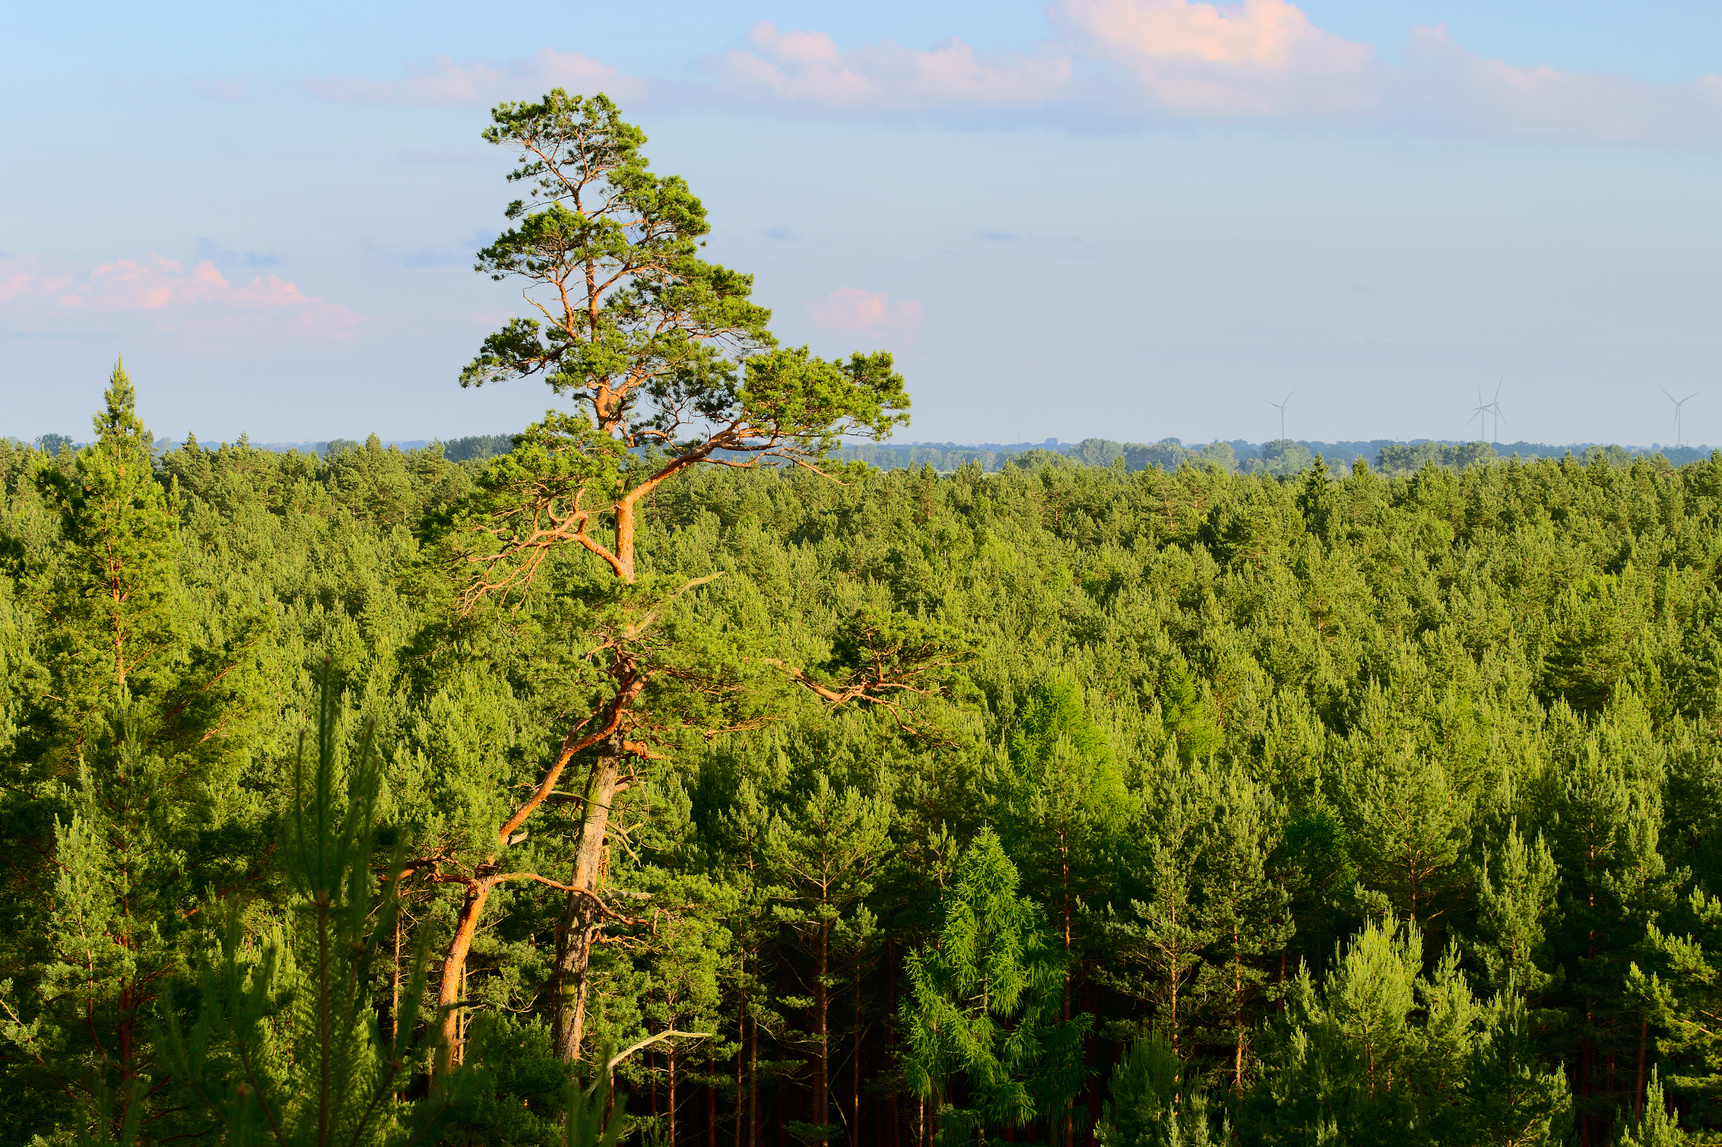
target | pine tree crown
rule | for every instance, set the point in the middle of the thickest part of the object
(119, 418)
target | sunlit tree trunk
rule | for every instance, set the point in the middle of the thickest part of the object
(581, 918)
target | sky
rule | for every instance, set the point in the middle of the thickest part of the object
(1132, 219)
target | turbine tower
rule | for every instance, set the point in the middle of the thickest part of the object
(1281, 405)
(1678, 403)
(1480, 414)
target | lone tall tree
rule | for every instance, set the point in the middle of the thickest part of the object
(668, 364)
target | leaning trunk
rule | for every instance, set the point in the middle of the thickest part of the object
(581, 917)
(454, 976)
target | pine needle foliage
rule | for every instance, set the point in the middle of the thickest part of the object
(287, 1048)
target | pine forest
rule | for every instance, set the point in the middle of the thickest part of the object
(663, 778)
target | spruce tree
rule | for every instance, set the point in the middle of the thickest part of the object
(984, 1006)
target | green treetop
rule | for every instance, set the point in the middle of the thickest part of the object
(113, 601)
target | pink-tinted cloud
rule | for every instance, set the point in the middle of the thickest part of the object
(169, 296)
(852, 310)
(1254, 60)
(1270, 34)
(807, 68)
(443, 81)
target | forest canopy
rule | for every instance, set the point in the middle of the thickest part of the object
(380, 796)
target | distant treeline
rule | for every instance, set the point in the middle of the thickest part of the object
(1282, 456)
(476, 447)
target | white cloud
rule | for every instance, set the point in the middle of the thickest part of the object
(853, 310)
(1123, 65)
(445, 82)
(48, 294)
(1448, 89)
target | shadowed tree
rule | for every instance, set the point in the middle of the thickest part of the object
(824, 856)
(1248, 913)
(1156, 945)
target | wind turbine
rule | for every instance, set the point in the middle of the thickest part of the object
(1480, 415)
(1678, 403)
(1281, 405)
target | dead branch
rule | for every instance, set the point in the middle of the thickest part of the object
(617, 1059)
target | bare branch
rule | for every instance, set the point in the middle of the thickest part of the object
(617, 1059)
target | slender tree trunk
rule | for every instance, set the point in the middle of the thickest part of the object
(581, 919)
(128, 1060)
(821, 1025)
(1587, 1065)
(395, 985)
(324, 1040)
(1237, 994)
(711, 1102)
(1094, 1078)
(670, 1055)
(1064, 872)
(741, 1055)
(753, 1123)
(855, 1068)
(395, 991)
(891, 1042)
(454, 975)
(1237, 1022)
(1174, 1009)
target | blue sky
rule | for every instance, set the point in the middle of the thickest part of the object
(1128, 218)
